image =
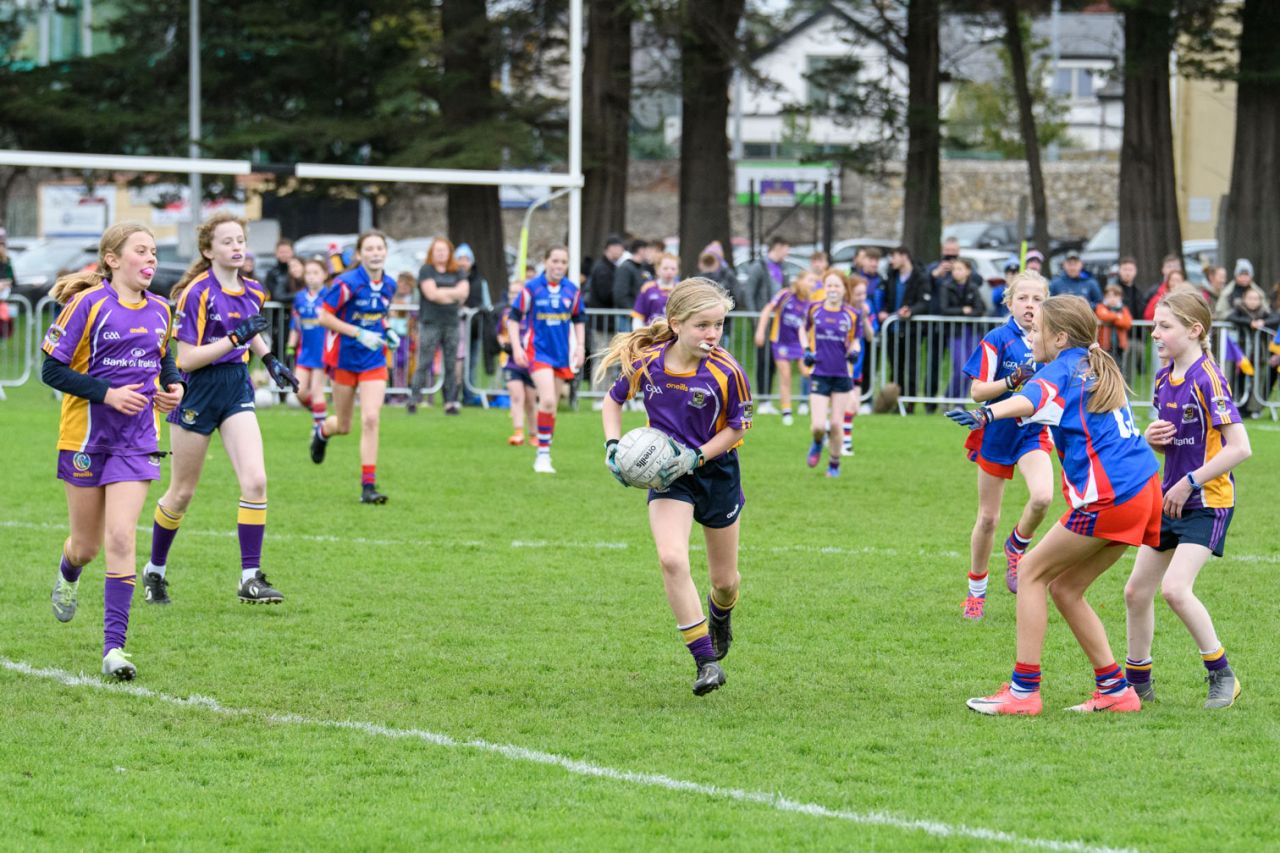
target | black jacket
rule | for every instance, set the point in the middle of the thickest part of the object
(954, 296)
(600, 284)
(918, 295)
(277, 282)
(627, 281)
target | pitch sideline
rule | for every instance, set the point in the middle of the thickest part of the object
(571, 765)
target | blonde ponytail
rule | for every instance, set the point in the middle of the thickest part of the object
(111, 243)
(69, 285)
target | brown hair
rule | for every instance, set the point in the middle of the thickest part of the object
(1189, 309)
(451, 264)
(374, 232)
(687, 298)
(204, 243)
(111, 243)
(1072, 316)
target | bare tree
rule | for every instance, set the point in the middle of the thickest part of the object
(1026, 120)
(922, 204)
(606, 121)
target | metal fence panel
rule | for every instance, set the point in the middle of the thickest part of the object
(17, 341)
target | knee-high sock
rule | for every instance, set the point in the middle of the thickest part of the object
(117, 595)
(163, 532)
(251, 523)
(546, 429)
(848, 427)
(318, 409)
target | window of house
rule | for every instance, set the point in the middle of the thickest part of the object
(1074, 82)
(817, 94)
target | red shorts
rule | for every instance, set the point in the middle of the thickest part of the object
(565, 373)
(353, 378)
(1134, 522)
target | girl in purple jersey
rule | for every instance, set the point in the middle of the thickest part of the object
(1198, 430)
(698, 395)
(998, 367)
(108, 353)
(831, 340)
(219, 322)
(780, 321)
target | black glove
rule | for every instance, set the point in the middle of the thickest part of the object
(1018, 378)
(248, 329)
(809, 358)
(280, 372)
(977, 419)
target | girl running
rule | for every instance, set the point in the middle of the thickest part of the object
(218, 322)
(652, 301)
(1198, 430)
(831, 340)
(520, 388)
(867, 331)
(546, 307)
(998, 368)
(306, 338)
(108, 354)
(698, 395)
(354, 314)
(1109, 477)
(781, 319)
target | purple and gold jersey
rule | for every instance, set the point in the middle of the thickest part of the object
(206, 312)
(1105, 459)
(98, 335)
(689, 407)
(651, 303)
(507, 360)
(305, 321)
(550, 312)
(354, 299)
(1199, 405)
(831, 333)
(1003, 350)
(788, 316)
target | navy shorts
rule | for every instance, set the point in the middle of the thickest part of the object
(714, 489)
(1207, 527)
(825, 386)
(517, 374)
(214, 393)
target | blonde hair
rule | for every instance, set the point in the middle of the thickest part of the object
(111, 243)
(1072, 316)
(1027, 277)
(687, 298)
(204, 243)
(1189, 308)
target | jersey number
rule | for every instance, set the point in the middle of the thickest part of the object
(1124, 422)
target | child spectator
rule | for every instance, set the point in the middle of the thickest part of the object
(1115, 321)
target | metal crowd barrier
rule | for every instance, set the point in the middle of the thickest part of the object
(18, 345)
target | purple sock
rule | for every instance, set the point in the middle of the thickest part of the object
(717, 611)
(251, 527)
(117, 595)
(163, 531)
(701, 649)
(70, 573)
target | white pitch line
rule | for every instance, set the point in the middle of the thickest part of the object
(572, 765)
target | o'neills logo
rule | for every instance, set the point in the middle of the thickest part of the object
(644, 457)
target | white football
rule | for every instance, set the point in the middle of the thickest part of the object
(641, 455)
(264, 398)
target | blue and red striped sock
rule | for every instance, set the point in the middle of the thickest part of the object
(1016, 542)
(1110, 679)
(546, 429)
(368, 475)
(1026, 679)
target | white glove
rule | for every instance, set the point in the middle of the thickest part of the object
(686, 459)
(370, 340)
(393, 339)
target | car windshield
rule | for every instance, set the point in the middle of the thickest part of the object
(1107, 239)
(968, 233)
(46, 257)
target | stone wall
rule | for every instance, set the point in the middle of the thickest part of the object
(1081, 197)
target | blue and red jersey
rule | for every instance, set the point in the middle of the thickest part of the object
(354, 299)
(1003, 350)
(305, 320)
(1105, 459)
(550, 311)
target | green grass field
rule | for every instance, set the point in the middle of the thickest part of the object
(488, 661)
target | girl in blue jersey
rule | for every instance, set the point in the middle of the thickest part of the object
(547, 308)
(698, 395)
(1199, 431)
(520, 387)
(108, 352)
(354, 314)
(997, 368)
(831, 340)
(306, 338)
(1110, 479)
(218, 322)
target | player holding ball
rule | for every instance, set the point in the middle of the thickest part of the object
(696, 393)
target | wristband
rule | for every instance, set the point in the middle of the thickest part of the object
(1195, 487)
(609, 443)
(701, 459)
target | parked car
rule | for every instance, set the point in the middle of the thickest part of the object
(36, 269)
(167, 275)
(1102, 251)
(982, 235)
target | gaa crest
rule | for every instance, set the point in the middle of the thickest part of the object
(81, 462)
(189, 416)
(698, 398)
(1189, 413)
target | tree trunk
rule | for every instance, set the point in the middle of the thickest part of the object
(1252, 217)
(1027, 121)
(605, 123)
(475, 216)
(708, 44)
(921, 204)
(1149, 226)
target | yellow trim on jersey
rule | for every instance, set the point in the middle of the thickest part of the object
(202, 315)
(735, 370)
(1219, 492)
